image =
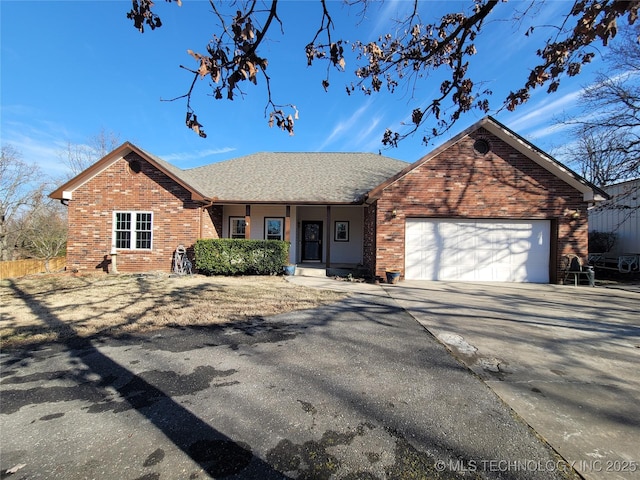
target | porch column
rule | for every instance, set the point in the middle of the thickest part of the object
(287, 224)
(327, 237)
(247, 221)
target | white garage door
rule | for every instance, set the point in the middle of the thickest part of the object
(477, 250)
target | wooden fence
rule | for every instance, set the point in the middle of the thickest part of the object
(20, 268)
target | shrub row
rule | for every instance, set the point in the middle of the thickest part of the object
(229, 256)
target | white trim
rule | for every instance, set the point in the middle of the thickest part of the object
(133, 240)
(79, 181)
(543, 160)
(266, 229)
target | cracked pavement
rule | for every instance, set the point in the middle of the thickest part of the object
(352, 390)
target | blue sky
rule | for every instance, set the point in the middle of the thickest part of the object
(72, 68)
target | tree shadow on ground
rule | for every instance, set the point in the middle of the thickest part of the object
(214, 452)
(362, 371)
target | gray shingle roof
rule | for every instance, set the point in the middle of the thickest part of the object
(176, 171)
(293, 177)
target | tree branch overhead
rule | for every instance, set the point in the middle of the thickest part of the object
(408, 56)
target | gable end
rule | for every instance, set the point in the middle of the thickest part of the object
(65, 192)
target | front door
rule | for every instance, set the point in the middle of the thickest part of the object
(311, 241)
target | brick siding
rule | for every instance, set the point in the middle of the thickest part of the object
(369, 239)
(462, 183)
(177, 220)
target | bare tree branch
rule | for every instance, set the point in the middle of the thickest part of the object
(608, 147)
(78, 157)
(19, 191)
(412, 55)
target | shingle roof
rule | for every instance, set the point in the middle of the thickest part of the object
(293, 177)
(265, 177)
(314, 177)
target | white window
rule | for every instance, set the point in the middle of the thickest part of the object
(237, 227)
(273, 228)
(132, 230)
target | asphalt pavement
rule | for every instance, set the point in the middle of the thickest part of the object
(566, 359)
(353, 390)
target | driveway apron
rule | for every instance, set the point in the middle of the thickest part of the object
(565, 358)
(352, 390)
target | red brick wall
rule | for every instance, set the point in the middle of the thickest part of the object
(369, 239)
(176, 218)
(212, 222)
(461, 183)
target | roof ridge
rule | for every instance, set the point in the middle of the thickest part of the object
(279, 152)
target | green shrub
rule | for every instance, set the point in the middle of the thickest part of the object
(230, 256)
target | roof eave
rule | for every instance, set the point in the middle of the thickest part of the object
(375, 193)
(286, 202)
(65, 192)
(590, 192)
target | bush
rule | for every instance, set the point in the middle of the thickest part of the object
(230, 256)
(601, 242)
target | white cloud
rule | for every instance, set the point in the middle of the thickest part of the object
(41, 146)
(185, 157)
(346, 127)
(369, 135)
(542, 112)
(389, 11)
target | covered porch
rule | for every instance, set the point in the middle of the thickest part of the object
(325, 239)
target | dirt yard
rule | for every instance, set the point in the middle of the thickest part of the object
(47, 308)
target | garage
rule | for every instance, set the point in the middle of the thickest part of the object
(477, 250)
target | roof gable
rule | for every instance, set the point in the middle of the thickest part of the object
(65, 192)
(263, 177)
(589, 191)
(314, 178)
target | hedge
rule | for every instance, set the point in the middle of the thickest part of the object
(230, 256)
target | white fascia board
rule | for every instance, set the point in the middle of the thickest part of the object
(541, 159)
(82, 178)
(593, 197)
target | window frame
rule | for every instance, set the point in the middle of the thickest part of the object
(341, 231)
(231, 232)
(134, 234)
(266, 228)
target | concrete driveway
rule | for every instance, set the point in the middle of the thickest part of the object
(566, 359)
(352, 390)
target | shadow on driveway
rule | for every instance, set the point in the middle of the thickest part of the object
(353, 390)
(93, 372)
(564, 358)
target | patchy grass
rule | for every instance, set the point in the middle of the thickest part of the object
(51, 308)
